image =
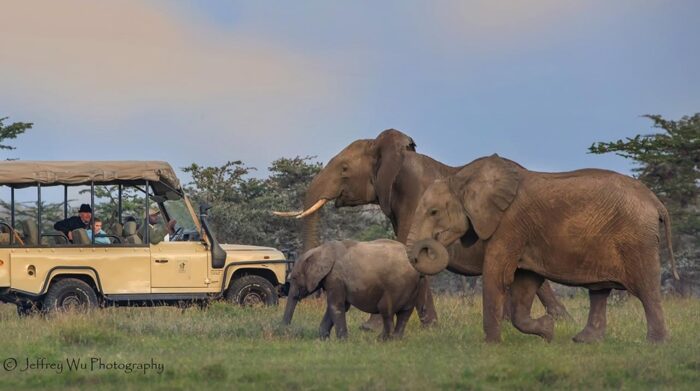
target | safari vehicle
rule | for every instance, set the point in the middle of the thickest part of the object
(43, 270)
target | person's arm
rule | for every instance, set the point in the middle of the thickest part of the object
(62, 226)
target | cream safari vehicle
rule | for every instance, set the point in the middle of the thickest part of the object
(41, 269)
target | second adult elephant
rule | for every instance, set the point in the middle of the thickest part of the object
(592, 228)
(388, 171)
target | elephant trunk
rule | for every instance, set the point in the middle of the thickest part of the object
(292, 300)
(310, 236)
(428, 256)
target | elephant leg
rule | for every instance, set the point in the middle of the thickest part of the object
(402, 318)
(651, 300)
(551, 302)
(522, 294)
(326, 324)
(388, 323)
(337, 308)
(508, 306)
(500, 263)
(374, 323)
(595, 327)
(425, 305)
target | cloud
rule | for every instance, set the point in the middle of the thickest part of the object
(490, 25)
(116, 58)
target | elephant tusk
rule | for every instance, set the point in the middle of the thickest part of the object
(287, 214)
(318, 205)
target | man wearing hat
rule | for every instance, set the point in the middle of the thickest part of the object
(159, 232)
(82, 220)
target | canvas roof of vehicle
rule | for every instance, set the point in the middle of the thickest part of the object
(47, 173)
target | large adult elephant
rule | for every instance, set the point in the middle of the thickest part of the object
(592, 228)
(388, 171)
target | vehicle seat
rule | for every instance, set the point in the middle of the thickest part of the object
(129, 233)
(118, 229)
(80, 236)
(30, 231)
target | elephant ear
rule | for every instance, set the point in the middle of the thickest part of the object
(487, 186)
(318, 263)
(389, 148)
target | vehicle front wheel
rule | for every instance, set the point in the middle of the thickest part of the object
(252, 290)
(70, 294)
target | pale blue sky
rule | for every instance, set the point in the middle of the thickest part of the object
(208, 82)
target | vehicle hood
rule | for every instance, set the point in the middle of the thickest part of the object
(240, 252)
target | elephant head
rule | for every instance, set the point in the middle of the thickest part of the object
(308, 272)
(362, 173)
(466, 206)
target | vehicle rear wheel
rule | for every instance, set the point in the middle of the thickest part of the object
(70, 294)
(252, 290)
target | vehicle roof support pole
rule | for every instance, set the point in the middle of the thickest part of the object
(119, 203)
(12, 214)
(147, 233)
(38, 212)
(65, 201)
(92, 215)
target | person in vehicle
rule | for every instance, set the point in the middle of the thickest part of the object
(158, 231)
(82, 220)
(100, 236)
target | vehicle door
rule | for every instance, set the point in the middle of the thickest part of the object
(179, 265)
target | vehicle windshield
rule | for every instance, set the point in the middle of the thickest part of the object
(178, 211)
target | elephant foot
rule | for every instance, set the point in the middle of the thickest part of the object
(374, 323)
(559, 313)
(383, 337)
(547, 323)
(324, 337)
(589, 335)
(657, 337)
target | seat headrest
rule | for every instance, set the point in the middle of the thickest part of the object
(129, 228)
(31, 232)
(80, 236)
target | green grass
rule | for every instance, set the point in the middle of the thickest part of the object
(225, 346)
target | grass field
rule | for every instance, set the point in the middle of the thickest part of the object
(236, 348)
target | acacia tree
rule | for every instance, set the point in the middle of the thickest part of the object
(10, 132)
(669, 163)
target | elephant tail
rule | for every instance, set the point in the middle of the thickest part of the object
(666, 219)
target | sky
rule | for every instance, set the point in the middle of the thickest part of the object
(212, 81)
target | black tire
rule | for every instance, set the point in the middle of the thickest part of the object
(252, 290)
(70, 294)
(28, 309)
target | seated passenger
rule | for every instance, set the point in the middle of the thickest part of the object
(82, 220)
(101, 236)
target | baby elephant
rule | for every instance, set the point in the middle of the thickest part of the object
(375, 277)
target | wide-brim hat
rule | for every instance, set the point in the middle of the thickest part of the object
(85, 208)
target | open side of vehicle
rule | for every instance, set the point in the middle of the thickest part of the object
(133, 263)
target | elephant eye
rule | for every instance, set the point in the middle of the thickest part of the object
(433, 212)
(345, 167)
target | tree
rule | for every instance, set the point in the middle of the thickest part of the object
(10, 132)
(242, 206)
(669, 163)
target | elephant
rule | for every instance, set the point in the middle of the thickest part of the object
(375, 277)
(388, 171)
(591, 228)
